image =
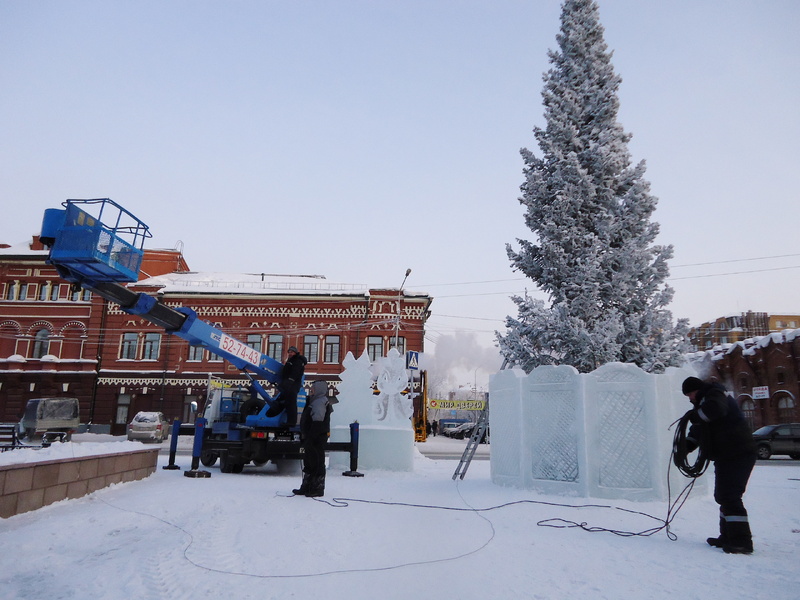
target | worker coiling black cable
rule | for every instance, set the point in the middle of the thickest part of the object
(683, 446)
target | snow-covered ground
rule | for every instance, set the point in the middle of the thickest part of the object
(388, 535)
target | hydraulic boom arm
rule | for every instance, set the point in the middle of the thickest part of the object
(97, 257)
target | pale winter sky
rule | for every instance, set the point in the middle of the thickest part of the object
(356, 139)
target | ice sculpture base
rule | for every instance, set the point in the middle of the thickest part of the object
(384, 448)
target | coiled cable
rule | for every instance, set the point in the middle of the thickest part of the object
(682, 447)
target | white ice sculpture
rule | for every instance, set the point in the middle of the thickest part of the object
(386, 437)
(392, 405)
(604, 434)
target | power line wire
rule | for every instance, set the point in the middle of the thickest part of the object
(720, 262)
(717, 262)
(734, 273)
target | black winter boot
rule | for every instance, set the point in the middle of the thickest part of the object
(304, 487)
(740, 540)
(317, 487)
(719, 542)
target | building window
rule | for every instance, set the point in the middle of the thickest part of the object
(189, 411)
(332, 349)
(254, 341)
(81, 295)
(743, 382)
(374, 347)
(401, 345)
(43, 292)
(130, 341)
(22, 294)
(150, 346)
(275, 346)
(786, 410)
(123, 405)
(749, 411)
(41, 343)
(780, 378)
(311, 348)
(11, 291)
(54, 291)
(195, 353)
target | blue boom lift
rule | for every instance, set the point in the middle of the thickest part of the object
(98, 245)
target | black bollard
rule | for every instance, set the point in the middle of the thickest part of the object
(173, 447)
(353, 472)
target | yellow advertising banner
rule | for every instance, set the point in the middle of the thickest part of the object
(456, 404)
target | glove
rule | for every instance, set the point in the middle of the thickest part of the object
(694, 418)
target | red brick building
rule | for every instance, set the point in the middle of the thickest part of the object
(763, 372)
(56, 341)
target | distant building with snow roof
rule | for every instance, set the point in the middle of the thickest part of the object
(734, 328)
(762, 373)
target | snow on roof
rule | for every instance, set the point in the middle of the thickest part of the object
(212, 282)
(21, 249)
(748, 346)
(194, 282)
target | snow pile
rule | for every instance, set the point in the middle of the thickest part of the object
(61, 451)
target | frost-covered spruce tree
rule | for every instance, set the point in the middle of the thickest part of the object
(590, 209)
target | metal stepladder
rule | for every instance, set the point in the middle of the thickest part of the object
(477, 435)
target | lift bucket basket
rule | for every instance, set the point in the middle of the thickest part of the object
(84, 248)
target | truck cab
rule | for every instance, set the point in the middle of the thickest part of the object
(45, 416)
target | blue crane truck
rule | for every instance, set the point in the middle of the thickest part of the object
(97, 245)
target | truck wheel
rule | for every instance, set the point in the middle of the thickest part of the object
(764, 452)
(794, 456)
(225, 465)
(237, 468)
(208, 458)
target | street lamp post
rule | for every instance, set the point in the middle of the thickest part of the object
(399, 304)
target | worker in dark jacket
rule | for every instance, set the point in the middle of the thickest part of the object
(289, 386)
(315, 427)
(720, 429)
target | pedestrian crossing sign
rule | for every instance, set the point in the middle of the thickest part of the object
(412, 360)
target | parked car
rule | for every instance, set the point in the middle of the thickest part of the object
(462, 431)
(148, 427)
(781, 439)
(51, 417)
(447, 428)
